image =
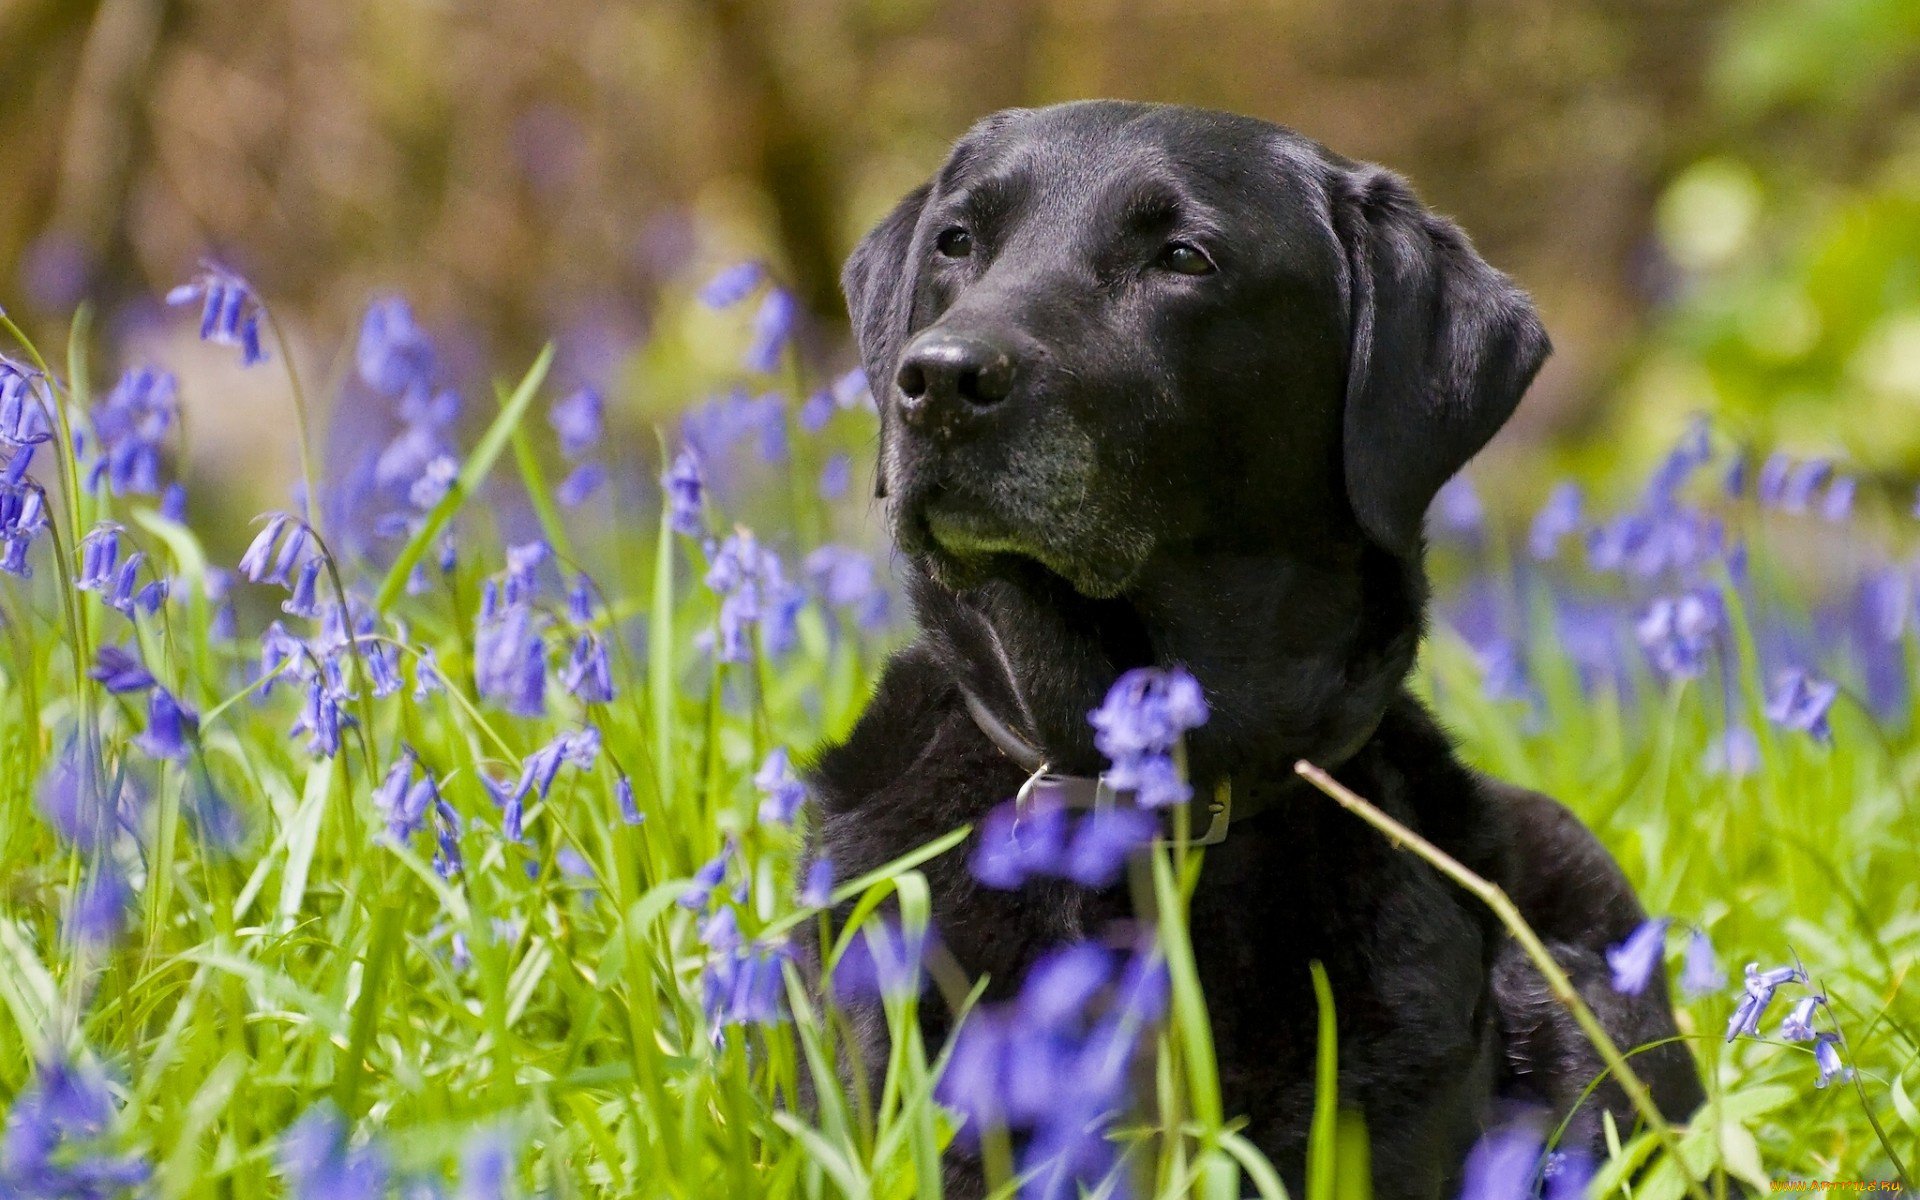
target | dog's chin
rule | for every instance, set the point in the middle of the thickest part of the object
(964, 548)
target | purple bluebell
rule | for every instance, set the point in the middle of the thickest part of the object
(129, 426)
(1016, 842)
(1797, 1025)
(403, 800)
(1503, 671)
(684, 485)
(383, 672)
(486, 1165)
(427, 680)
(78, 800)
(1677, 632)
(1137, 727)
(1102, 843)
(1837, 504)
(150, 598)
(56, 1141)
(1735, 483)
(572, 863)
(1803, 479)
(304, 601)
(322, 717)
(882, 960)
(1772, 484)
(753, 590)
(714, 429)
(1691, 451)
(99, 555)
(539, 769)
(393, 356)
(580, 600)
(629, 808)
(745, 987)
(170, 726)
(579, 419)
(510, 660)
(1568, 1173)
(836, 476)
(817, 890)
(23, 513)
(851, 389)
(289, 556)
(1060, 986)
(580, 485)
(1145, 987)
(230, 311)
(25, 401)
(846, 578)
(1759, 989)
(699, 892)
(732, 285)
(447, 826)
(1734, 752)
(434, 482)
(587, 675)
(1886, 601)
(1826, 1055)
(1701, 976)
(1634, 960)
(1802, 702)
(1556, 520)
(773, 326)
(1505, 1164)
(121, 596)
(781, 794)
(259, 556)
(319, 1164)
(120, 671)
(523, 570)
(1458, 509)
(816, 410)
(99, 913)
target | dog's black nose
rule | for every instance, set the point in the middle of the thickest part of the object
(952, 377)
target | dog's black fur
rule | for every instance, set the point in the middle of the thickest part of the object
(1101, 453)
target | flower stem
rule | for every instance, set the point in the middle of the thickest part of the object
(1503, 907)
(307, 474)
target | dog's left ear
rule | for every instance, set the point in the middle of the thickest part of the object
(878, 282)
(1442, 348)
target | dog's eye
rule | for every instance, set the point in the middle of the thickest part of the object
(954, 243)
(1183, 259)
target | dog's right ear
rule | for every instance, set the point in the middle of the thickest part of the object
(878, 282)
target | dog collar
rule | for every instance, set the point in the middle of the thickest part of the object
(1235, 799)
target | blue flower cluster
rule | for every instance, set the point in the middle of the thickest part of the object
(58, 1139)
(1055, 1064)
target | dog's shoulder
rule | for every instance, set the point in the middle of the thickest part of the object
(912, 700)
(1559, 874)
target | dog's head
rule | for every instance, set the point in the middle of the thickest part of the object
(1104, 332)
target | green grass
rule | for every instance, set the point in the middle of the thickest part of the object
(314, 961)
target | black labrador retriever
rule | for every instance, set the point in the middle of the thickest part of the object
(1167, 386)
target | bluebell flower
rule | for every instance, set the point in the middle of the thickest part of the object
(1803, 479)
(587, 675)
(81, 804)
(510, 660)
(435, 481)
(1693, 449)
(782, 794)
(1137, 727)
(732, 285)
(1677, 632)
(23, 513)
(684, 486)
(1702, 974)
(1145, 987)
(56, 1137)
(427, 680)
(579, 420)
(381, 668)
(322, 717)
(851, 388)
(100, 909)
(817, 891)
(120, 596)
(1568, 1174)
(572, 863)
(230, 312)
(773, 326)
(129, 425)
(1735, 483)
(25, 401)
(700, 891)
(394, 356)
(1458, 508)
(1887, 602)
(1634, 961)
(120, 671)
(320, 1165)
(714, 429)
(1015, 843)
(403, 800)
(523, 570)
(1504, 1164)
(1800, 701)
(447, 826)
(629, 807)
(1503, 671)
(1734, 753)
(753, 589)
(1797, 1026)
(845, 578)
(835, 476)
(883, 960)
(1759, 989)
(1061, 985)
(486, 1165)
(745, 987)
(99, 555)
(580, 600)
(1837, 505)
(816, 410)
(169, 727)
(580, 485)
(1826, 1055)
(1773, 478)
(1557, 519)
(150, 598)
(1102, 843)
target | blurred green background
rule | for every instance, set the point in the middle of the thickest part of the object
(1716, 202)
